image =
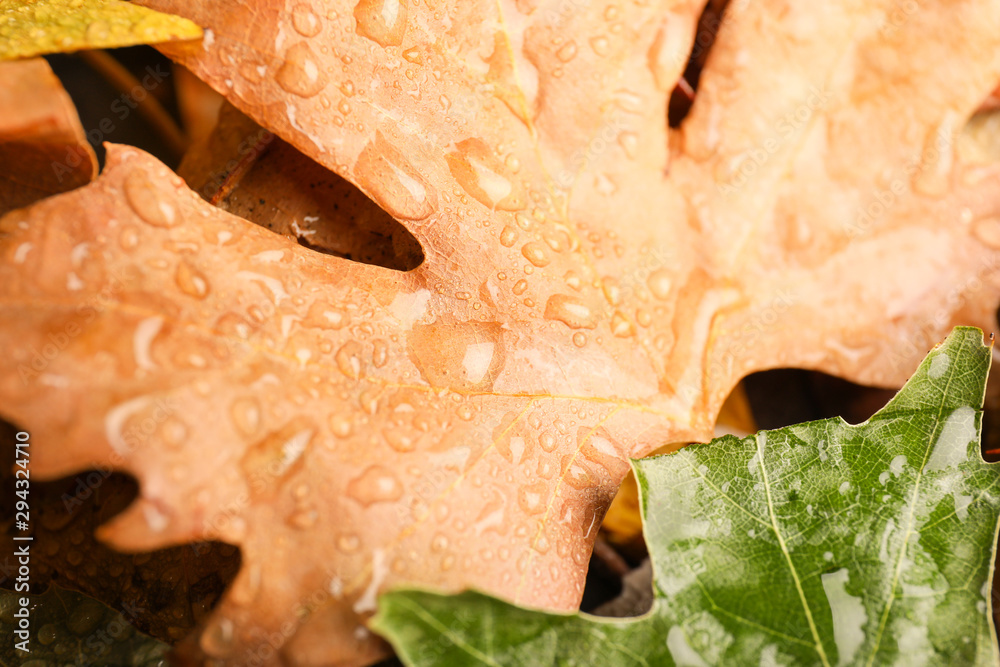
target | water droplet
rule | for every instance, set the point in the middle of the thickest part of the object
(571, 311)
(987, 230)
(466, 356)
(465, 412)
(277, 456)
(508, 236)
(439, 543)
(557, 239)
(481, 174)
(392, 181)
(600, 45)
(85, 617)
(547, 441)
(348, 543)
(191, 281)
(620, 326)
(513, 164)
(573, 279)
(567, 52)
(669, 52)
(368, 399)
(629, 141)
(519, 287)
(217, 639)
(400, 439)
(643, 317)
(174, 432)
(98, 31)
(305, 22)
(303, 518)
(47, 634)
(933, 176)
(578, 475)
(531, 497)
(612, 292)
(148, 201)
(659, 283)
(341, 425)
(382, 21)
(323, 317)
(535, 253)
(377, 484)
(412, 55)
(247, 585)
(380, 355)
(579, 339)
(301, 73)
(128, 238)
(349, 360)
(604, 185)
(246, 416)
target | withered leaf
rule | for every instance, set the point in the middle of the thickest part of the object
(43, 149)
(593, 283)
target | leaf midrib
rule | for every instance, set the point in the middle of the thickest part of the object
(784, 550)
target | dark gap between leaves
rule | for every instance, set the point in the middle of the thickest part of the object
(682, 97)
(275, 185)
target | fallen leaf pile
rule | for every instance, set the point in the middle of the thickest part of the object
(593, 283)
(821, 543)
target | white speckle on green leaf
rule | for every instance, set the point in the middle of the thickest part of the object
(849, 615)
(681, 651)
(952, 445)
(939, 365)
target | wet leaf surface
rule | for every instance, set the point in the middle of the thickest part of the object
(593, 283)
(57, 26)
(822, 543)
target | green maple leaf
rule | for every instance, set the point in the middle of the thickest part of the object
(822, 543)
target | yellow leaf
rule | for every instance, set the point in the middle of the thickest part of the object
(57, 26)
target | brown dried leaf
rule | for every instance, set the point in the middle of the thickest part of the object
(593, 285)
(43, 150)
(248, 172)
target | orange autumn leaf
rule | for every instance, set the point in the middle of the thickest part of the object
(43, 150)
(593, 283)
